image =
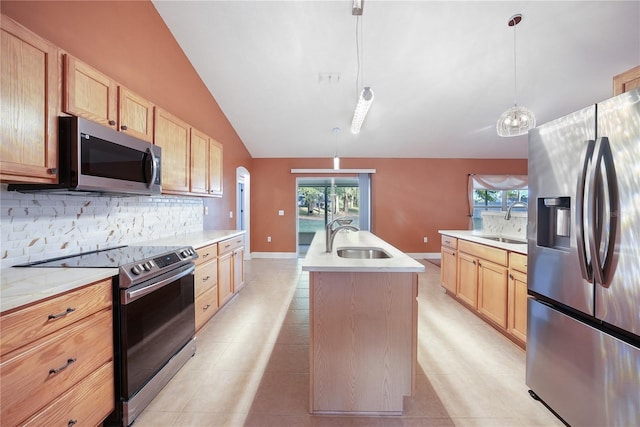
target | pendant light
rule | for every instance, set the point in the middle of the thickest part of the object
(365, 97)
(516, 120)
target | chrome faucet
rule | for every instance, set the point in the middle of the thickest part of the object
(330, 232)
(521, 204)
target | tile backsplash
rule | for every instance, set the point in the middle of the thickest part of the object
(39, 226)
(495, 223)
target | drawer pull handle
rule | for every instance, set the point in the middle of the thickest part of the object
(206, 307)
(204, 279)
(112, 122)
(123, 127)
(226, 246)
(62, 368)
(64, 313)
(205, 255)
(72, 423)
(511, 276)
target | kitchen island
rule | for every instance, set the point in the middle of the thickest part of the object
(363, 326)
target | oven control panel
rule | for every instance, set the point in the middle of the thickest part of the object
(145, 269)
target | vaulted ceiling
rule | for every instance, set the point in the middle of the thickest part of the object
(285, 72)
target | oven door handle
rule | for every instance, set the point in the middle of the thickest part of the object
(157, 283)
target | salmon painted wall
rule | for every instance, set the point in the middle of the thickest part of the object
(129, 42)
(411, 198)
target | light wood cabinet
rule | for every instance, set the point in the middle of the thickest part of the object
(215, 168)
(206, 284)
(97, 97)
(448, 267)
(363, 341)
(206, 165)
(135, 115)
(492, 292)
(230, 268)
(173, 136)
(57, 359)
(491, 281)
(89, 93)
(517, 299)
(626, 81)
(30, 104)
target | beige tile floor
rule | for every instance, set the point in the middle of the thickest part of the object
(251, 367)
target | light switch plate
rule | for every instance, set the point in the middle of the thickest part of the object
(281, 212)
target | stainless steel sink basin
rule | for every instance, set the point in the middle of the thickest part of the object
(505, 240)
(363, 253)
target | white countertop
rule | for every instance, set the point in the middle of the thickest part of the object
(22, 286)
(319, 260)
(480, 237)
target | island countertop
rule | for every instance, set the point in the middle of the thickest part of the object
(317, 259)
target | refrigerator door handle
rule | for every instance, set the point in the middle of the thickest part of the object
(599, 225)
(586, 267)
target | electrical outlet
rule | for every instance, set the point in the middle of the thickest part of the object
(206, 210)
(230, 214)
(281, 212)
(426, 239)
(269, 239)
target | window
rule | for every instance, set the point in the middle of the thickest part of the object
(495, 193)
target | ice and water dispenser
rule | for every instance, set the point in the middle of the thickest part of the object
(554, 222)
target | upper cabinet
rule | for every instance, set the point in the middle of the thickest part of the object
(215, 168)
(626, 81)
(97, 97)
(173, 136)
(30, 103)
(206, 165)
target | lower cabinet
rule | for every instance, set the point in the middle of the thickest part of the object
(490, 281)
(57, 359)
(492, 292)
(230, 267)
(206, 284)
(517, 297)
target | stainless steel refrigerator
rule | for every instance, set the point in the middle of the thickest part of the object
(583, 331)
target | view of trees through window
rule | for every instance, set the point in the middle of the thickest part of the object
(496, 200)
(318, 204)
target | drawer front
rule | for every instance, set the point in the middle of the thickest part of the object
(489, 253)
(206, 277)
(26, 325)
(86, 404)
(449, 242)
(206, 306)
(36, 375)
(230, 245)
(206, 253)
(518, 262)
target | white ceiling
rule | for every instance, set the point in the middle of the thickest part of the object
(441, 71)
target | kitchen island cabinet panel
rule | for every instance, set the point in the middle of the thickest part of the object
(363, 332)
(30, 93)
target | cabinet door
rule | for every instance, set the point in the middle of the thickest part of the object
(135, 115)
(89, 93)
(225, 277)
(29, 94)
(238, 269)
(517, 323)
(215, 168)
(492, 292)
(467, 287)
(626, 81)
(199, 162)
(448, 270)
(172, 135)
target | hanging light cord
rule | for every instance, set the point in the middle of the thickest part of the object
(359, 50)
(515, 73)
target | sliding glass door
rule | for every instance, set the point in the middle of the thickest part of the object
(321, 200)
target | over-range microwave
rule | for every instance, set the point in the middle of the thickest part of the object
(95, 159)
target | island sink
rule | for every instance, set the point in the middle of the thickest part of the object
(362, 253)
(505, 240)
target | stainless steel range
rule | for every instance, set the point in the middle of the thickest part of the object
(154, 323)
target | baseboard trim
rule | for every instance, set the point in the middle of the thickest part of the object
(274, 255)
(424, 255)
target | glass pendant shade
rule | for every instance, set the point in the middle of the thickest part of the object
(515, 121)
